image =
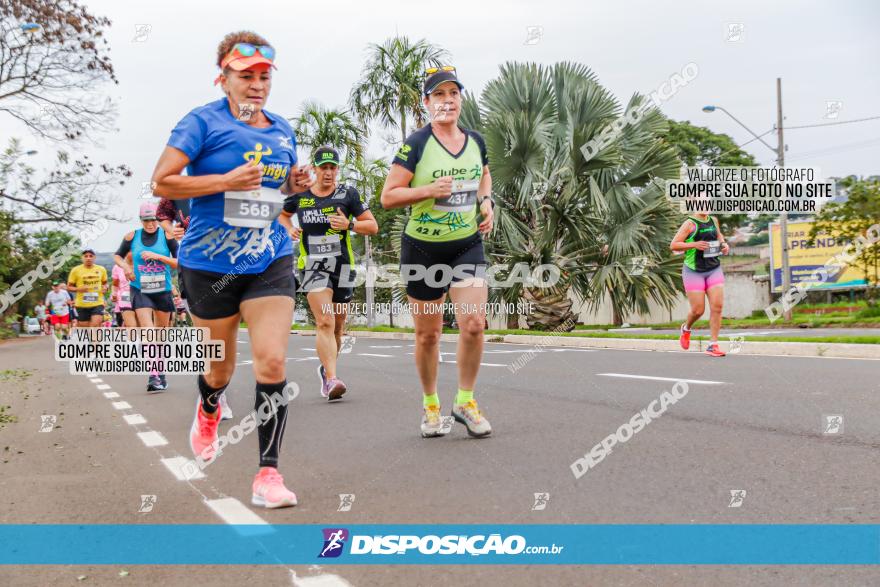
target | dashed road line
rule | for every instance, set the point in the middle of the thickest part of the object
(234, 512)
(152, 438)
(696, 381)
(134, 419)
(176, 465)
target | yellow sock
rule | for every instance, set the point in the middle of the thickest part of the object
(463, 397)
(431, 400)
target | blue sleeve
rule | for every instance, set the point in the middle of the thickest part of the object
(289, 129)
(189, 135)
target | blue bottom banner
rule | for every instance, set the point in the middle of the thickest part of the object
(563, 544)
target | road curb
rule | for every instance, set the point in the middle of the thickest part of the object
(748, 347)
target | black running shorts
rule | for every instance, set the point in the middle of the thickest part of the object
(219, 295)
(429, 268)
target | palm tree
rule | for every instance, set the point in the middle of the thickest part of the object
(590, 217)
(319, 125)
(390, 88)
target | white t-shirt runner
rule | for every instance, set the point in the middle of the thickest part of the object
(58, 302)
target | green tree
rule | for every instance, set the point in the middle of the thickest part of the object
(591, 218)
(390, 88)
(852, 219)
(20, 253)
(318, 126)
(698, 146)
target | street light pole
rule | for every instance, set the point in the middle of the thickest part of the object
(780, 161)
(783, 219)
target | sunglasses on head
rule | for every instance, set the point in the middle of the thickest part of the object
(431, 70)
(247, 50)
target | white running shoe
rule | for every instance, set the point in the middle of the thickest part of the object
(225, 410)
(470, 415)
(432, 423)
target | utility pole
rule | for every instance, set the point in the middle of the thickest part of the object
(783, 219)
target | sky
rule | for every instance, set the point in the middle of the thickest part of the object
(164, 54)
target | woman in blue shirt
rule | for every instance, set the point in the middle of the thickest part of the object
(235, 258)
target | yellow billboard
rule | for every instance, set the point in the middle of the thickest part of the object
(803, 260)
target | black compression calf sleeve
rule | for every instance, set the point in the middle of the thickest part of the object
(210, 395)
(271, 406)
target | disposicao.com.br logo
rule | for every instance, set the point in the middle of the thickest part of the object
(430, 544)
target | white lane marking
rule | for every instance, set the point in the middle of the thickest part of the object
(305, 348)
(122, 405)
(242, 342)
(152, 438)
(96, 380)
(103, 387)
(305, 359)
(453, 362)
(322, 580)
(698, 381)
(111, 394)
(628, 329)
(234, 512)
(244, 363)
(91, 375)
(386, 346)
(758, 333)
(375, 355)
(573, 350)
(134, 419)
(176, 464)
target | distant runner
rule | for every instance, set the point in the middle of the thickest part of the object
(153, 256)
(89, 282)
(58, 302)
(701, 241)
(326, 213)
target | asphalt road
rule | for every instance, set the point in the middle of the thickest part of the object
(748, 423)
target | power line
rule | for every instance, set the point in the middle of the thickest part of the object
(832, 123)
(837, 149)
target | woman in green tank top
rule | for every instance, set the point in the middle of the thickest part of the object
(702, 243)
(442, 172)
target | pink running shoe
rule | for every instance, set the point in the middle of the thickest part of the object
(333, 389)
(713, 350)
(685, 338)
(269, 490)
(203, 433)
